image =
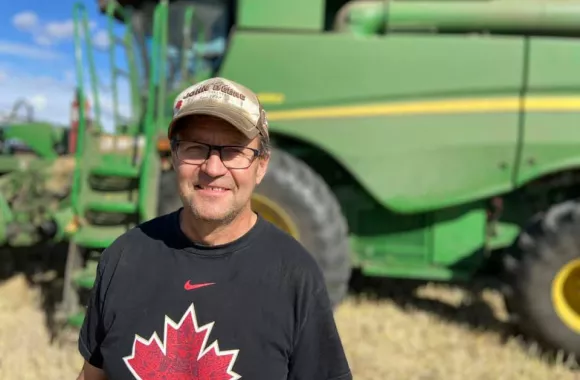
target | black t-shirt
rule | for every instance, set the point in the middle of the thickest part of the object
(165, 308)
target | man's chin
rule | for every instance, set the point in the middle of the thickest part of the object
(211, 213)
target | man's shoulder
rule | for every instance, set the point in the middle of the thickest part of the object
(153, 228)
(290, 251)
(283, 242)
(140, 236)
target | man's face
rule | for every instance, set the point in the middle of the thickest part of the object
(232, 188)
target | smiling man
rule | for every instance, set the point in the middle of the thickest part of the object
(212, 290)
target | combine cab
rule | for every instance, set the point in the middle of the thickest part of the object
(412, 139)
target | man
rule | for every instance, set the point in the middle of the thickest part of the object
(212, 291)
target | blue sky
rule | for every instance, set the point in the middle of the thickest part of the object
(37, 61)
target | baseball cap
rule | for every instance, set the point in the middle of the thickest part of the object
(224, 99)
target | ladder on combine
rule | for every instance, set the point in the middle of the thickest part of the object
(115, 178)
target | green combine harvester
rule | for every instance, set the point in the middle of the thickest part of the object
(413, 139)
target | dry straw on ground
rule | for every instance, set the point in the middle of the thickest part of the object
(435, 338)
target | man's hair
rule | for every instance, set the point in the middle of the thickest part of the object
(265, 146)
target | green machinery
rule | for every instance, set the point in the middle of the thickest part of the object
(413, 139)
(34, 184)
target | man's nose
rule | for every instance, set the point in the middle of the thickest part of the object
(214, 166)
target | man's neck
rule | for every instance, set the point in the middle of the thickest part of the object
(208, 233)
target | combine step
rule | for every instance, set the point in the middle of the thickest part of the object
(107, 170)
(77, 319)
(97, 237)
(112, 206)
(122, 201)
(86, 278)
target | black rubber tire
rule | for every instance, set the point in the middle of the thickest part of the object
(550, 241)
(308, 200)
(168, 199)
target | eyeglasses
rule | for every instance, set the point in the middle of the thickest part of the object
(232, 156)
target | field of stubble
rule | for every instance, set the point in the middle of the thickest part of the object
(435, 332)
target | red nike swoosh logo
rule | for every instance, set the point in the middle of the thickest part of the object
(189, 286)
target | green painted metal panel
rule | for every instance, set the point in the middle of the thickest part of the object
(278, 14)
(380, 236)
(418, 163)
(40, 137)
(551, 138)
(458, 237)
(377, 118)
(347, 70)
(433, 244)
(550, 144)
(553, 65)
(418, 272)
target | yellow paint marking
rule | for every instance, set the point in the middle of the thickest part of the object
(271, 98)
(456, 106)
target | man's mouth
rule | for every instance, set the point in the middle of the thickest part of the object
(211, 188)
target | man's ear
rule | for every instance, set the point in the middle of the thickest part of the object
(262, 168)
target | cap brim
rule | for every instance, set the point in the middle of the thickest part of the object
(230, 114)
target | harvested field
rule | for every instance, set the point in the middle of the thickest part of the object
(429, 336)
(26, 352)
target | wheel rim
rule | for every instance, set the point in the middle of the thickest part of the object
(274, 213)
(566, 294)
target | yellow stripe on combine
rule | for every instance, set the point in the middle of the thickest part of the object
(447, 106)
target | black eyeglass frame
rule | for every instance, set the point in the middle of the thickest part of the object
(219, 149)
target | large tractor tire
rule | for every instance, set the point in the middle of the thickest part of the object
(298, 201)
(168, 198)
(542, 272)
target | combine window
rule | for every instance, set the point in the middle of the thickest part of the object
(194, 44)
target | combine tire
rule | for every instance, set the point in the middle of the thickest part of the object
(169, 199)
(294, 198)
(542, 272)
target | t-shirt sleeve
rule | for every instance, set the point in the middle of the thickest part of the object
(318, 352)
(92, 332)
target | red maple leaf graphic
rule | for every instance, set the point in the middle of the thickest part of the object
(183, 354)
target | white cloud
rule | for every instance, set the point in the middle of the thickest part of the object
(60, 30)
(43, 40)
(26, 21)
(101, 39)
(49, 98)
(69, 76)
(38, 102)
(27, 51)
(47, 33)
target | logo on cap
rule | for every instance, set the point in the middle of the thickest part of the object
(178, 105)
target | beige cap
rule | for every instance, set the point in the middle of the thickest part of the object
(225, 99)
